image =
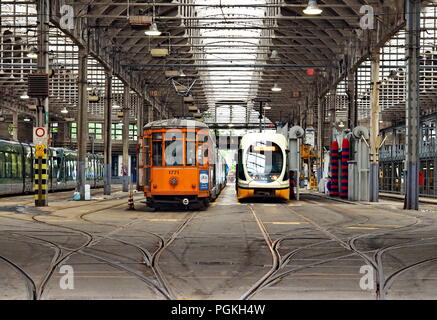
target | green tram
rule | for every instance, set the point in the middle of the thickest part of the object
(16, 168)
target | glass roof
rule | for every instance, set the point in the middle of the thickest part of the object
(227, 46)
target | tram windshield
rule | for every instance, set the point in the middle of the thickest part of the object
(264, 162)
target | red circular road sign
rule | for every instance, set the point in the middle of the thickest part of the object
(40, 132)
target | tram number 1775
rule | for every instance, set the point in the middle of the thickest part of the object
(173, 172)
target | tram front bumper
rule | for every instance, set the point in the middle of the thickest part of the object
(243, 193)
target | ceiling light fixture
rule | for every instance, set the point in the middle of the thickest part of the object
(64, 111)
(274, 55)
(312, 8)
(116, 106)
(32, 54)
(24, 96)
(276, 88)
(153, 30)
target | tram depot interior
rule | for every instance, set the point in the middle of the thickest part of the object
(206, 149)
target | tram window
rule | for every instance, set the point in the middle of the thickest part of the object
(28, 165)
(2, 165)
(264, 161)
(147, 151)
(8, 166)
(157, 136)
(174, 153)
(19, 166)
(202, 153)
(240, 167)
(174, 148)
(173, 135)
(191, 153)
(14, 165)
(191, 136)
(157, 153)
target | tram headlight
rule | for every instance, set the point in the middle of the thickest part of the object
(274, 177)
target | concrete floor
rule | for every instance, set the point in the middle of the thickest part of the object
(312, 249)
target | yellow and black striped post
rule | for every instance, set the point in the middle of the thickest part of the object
(41, 176)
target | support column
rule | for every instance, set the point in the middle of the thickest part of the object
(82, 123)
(374, 130)
(352, 107)
(412, 17)
(309, 115)
(332, 118)
(107, 174)
(320, 122)
(43, 9)
(42, 119)
(140, 134)
(15, 126)
(150, 112)
(126, 122)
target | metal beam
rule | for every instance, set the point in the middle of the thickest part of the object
(99, 46)
(412, 17)
(15, 125)
(126, 122)
(352, 99)
(82, 123)
(140, 152)
(230, 65)
(374, 130)
(43, 8)
(320, 122)
(107, 134)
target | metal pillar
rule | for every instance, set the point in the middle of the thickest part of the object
(320, 121)
(140, 155)
(332, 119)
(15, 126)
(107, 174)
(309, 115)
(126, 122)
(82, 123)
(352, 107)
(412, 16)
(150, 113)
(261, 111)
(43, 9)
(374, 130)
(42, 119)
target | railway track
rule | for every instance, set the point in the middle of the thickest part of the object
(279, 261)
(382, 284)
(89, 244)
(63, 253)
(151, 259)
(30, 283)
(376, 261)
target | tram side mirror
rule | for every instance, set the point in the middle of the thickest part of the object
(206, 139)
(206, 153)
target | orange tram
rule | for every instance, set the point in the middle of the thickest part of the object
(181, 164)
